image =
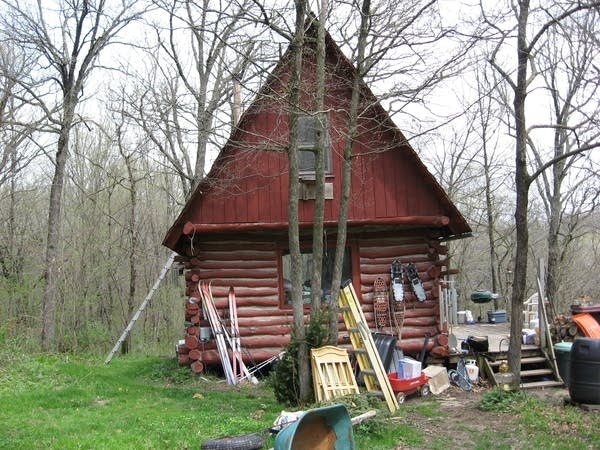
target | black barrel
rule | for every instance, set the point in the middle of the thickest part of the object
(584, 373)
(385, 345)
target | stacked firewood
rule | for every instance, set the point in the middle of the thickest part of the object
(564, 328)
(189, 351)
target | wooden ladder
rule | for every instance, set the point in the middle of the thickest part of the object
(142, 307)
(369, 361)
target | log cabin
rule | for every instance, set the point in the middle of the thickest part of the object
(233, 230)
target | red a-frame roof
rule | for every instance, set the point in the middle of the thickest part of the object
(247, 187)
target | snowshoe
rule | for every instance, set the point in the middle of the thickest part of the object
(415, 282)
(397, 276)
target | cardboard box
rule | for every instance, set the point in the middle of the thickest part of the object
(410, 368)
(438, 378)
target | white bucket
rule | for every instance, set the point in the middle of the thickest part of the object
(472, 370)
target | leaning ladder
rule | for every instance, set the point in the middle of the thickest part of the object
(369, 361)
(145, 303)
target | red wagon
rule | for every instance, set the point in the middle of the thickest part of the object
(407, 386)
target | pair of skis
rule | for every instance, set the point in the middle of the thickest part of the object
(235, 369)
(397, 281)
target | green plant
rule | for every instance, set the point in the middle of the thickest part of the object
(284, 376)
(497, 399)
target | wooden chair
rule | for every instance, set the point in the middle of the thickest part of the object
(332, 374)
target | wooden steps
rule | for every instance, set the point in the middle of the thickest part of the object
(536, 369)
(535, 373)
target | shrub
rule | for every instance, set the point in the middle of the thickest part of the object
(497, 399)
(284, 376)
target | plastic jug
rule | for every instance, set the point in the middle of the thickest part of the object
(472, 370)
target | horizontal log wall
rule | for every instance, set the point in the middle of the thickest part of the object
(421, 319)
(251, 268)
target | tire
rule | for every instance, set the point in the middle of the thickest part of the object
(425, 390)
(252, 441)
(400, 396)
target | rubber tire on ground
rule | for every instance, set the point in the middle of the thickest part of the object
(425, 390)
(252, 441)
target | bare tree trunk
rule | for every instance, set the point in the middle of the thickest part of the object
(523, 179)
(132, 230)
(320, 155)
(554, 250)
(522, 183)
(293, 198)
(342, 229)
(491, 225)
(484, 118)
(52, 265)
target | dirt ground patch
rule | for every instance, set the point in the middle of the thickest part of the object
(460, 424)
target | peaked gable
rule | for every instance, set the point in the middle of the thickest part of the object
(247, 187)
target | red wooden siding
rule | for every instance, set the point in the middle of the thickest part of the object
(252, 187)
(249, 181)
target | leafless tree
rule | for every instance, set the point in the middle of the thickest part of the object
(201, 52)
(16, 148)
(68, 39)
(16, 125)
(410, 50)
(569, 188)
(353, 115)
(296, 48)
(527, 24)
(320, 156)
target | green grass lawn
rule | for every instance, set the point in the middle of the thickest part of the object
(135, 402)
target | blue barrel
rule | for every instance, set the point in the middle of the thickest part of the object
(584, 373)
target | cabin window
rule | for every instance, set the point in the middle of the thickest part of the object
(307, 144)
(307, 267)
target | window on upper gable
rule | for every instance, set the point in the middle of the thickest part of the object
(307, 143)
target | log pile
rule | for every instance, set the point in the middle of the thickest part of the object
(564, 328)
(190, 350)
